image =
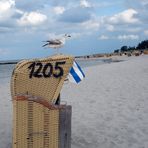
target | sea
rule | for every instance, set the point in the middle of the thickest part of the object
(7, 69)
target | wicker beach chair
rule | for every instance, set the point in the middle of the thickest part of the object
(35, 86)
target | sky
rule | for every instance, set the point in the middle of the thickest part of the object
(95, 26)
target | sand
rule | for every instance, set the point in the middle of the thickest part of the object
(5, 115)
(110, 107)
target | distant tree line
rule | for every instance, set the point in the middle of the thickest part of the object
(140, 47)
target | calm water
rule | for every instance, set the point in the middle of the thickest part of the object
(6, 70)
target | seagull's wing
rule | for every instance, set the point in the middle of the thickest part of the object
(55, 42)
(45, 44)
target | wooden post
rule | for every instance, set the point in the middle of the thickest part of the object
(65, 127)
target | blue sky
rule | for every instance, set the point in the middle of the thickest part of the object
(96, 26)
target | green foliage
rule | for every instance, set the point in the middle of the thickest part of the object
(116, 51)
(141, 46)
(124, 48)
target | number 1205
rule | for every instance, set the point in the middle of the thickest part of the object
(37, 69)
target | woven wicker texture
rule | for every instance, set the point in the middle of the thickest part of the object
(48, 88)
(35, 125)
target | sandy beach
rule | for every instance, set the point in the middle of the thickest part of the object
(110, 107)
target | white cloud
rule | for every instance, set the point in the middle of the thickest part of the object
(6, 5)
(103, 37)
(58, 9)
(6, 9)
(91, 24)
(85, 3)
(127, 16)
(32, 18)
(19, 11)
(128, 37)
(146, 32)
(110, 27)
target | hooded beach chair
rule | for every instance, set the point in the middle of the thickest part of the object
(35, 87)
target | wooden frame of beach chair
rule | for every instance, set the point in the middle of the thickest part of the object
(35, 86)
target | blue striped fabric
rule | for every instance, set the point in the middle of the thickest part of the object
(76, 74)
(80, 69)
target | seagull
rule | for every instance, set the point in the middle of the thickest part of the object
(56, 43)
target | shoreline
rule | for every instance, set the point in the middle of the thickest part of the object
(105, 59)
(5, 63)
(112, 58)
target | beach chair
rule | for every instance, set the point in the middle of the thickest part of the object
(35, 87)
